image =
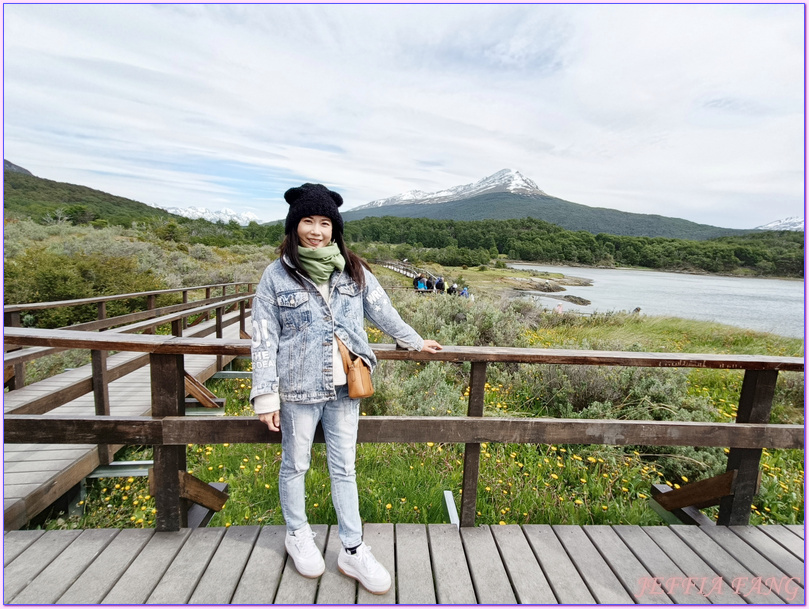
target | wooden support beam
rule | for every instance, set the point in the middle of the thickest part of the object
(200, 392)
(201, 493)
(199, 516)
(699, 494)
(168, 399)
(179, 430)
(101, 396)
(684, 515)
(471, 465)
(755, 406)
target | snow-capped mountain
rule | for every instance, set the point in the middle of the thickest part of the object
(224, 215)
(791, 223)
(505, 180)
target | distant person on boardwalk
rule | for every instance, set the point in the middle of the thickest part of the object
(558, 309)
(440, 286)
(465, 292)
(430, 283)
(422, 284)
(416, 282)
(316, 292)
(453, 289)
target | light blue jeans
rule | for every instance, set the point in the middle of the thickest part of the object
(339, 418)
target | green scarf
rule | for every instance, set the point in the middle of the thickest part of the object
(320, 262)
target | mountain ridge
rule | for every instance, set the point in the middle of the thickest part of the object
(508, 194)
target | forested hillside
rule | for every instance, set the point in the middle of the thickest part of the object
(455, 243)
(568, 215)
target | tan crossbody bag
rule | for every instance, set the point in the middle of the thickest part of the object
(357, 372)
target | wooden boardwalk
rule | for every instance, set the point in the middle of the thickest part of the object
(36, 475)
(431, 564)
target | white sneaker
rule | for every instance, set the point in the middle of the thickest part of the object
(366, 569)
(301, 547)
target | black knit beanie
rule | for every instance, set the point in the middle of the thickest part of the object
(313, 200)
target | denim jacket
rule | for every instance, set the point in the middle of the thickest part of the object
(294, 326)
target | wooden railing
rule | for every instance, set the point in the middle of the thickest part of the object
(140, 321)
(169, 431)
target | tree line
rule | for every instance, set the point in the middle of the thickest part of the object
(455, 243)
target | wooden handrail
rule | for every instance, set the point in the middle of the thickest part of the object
(18, 357)
(180, 431)
(384, 351)
(38, 306)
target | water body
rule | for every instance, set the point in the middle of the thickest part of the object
(766, 305)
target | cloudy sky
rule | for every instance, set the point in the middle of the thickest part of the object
(688, 111)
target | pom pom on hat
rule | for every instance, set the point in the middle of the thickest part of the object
(312, 200)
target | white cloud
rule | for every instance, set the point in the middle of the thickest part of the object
(684, 110)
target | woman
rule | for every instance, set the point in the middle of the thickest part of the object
(318, 291)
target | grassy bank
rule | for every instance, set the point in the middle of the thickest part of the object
(518, 483)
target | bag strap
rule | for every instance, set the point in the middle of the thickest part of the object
(344, 353)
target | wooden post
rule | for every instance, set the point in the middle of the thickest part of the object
(471, 457)
(242, 317)
(101, 396)
(168, 399)
(220, 312)
(177, 327)
(102, 310)
(755, 406)
(17, 381)
(207, 296)
(185, 301)
(150, 305)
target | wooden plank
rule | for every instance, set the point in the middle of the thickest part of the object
(206, 430)
(57, 577)
(629, 570)
(757, 564)
(798, 529)
(453, 582)
(599, 578)
(740, 579)
(706, 580)
(684, 515)
(199, 516)
(565, 581)
(28, 564)
(70, 429)
(780, 535)
(200, 492)
(488, 573)
(185, 571)
(295, 589)
(144, 573)
(661, 568)
(414, 575)
(379, 537)
(335, 588)
(450, 353)
(221, 578)
(526, 576)
(100, 576)
(15, 543)
(200, 392)
(699, 494)
(264, 567)
(22, 467)
(775, 552)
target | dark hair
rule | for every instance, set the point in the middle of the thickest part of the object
(288, 251)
